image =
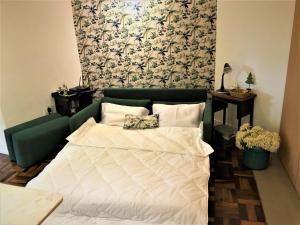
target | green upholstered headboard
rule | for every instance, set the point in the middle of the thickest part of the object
(158, 94)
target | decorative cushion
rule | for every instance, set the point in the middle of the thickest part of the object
(114, 115)
(140, 122)
(183, 115)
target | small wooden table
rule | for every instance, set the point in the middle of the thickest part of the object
(19, 205)
(74, 102)
(245, 106)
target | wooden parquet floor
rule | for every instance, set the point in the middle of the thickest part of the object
(233, 200)
(10, 173)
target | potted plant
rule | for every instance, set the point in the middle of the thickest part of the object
(63, 90)
(256, 144)
(250, 80)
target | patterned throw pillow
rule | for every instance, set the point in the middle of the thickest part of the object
(140, 122)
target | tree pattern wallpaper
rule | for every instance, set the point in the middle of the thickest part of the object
(146, 43)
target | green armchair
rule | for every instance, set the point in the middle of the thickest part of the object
(36, 140)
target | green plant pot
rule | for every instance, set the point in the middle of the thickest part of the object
(256, 158)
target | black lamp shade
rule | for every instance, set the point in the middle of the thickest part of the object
(226, 69)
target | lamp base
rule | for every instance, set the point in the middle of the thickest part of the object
(222, 90)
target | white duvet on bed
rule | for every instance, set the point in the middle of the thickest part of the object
(108, 175)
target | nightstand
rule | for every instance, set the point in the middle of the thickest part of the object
(245, 106)
(75, 101)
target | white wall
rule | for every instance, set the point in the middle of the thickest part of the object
(255, 36)
(38, 54)
(2, 125)
(3, 148)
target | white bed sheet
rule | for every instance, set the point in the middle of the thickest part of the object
(126, 180)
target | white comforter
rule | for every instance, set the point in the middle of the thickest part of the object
(108, 175)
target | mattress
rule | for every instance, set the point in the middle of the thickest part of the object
(108, 175)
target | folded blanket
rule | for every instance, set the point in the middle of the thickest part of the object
(180, 140)
(108, 175)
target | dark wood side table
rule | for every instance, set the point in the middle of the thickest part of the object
(245, 106)
(74, 102)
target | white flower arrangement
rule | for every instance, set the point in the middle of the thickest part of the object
(257, 137)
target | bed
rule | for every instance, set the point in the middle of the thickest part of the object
(108, 175)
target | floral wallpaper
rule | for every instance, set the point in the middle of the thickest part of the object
(146, 43)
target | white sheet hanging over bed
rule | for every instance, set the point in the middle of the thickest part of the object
(108, 175)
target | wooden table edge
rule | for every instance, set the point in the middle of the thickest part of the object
(48, 214)
(229, 97)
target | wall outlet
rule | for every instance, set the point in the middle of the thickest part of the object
(49, 110)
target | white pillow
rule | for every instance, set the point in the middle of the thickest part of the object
(114, 115)
(182, 115)
(201, 130)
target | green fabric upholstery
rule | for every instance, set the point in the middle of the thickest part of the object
(175, 103)
(39, 142)
(158, 94)
(93, 110)
(10, 131)
(207, 122)
(146, 103)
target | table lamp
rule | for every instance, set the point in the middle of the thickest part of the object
(227, 69)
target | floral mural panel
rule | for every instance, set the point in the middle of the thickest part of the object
(146, 43)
